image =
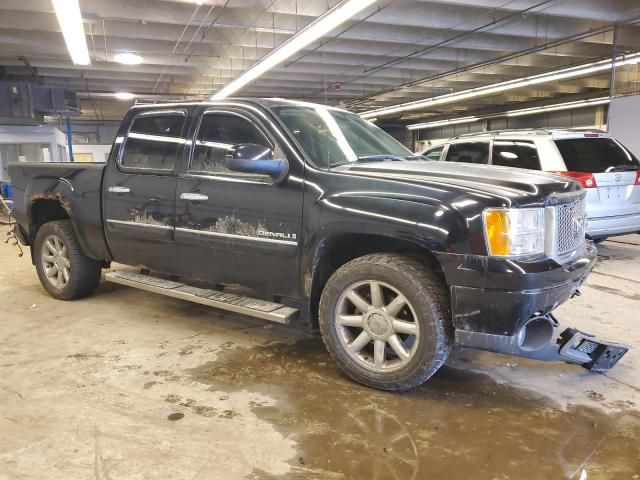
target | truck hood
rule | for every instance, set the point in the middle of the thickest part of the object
(513, 186)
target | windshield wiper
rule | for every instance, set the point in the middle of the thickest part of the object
(416, 157)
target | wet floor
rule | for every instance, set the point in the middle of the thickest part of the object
(458, 425)
(129, 385)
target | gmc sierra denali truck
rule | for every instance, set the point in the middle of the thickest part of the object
(324, 219)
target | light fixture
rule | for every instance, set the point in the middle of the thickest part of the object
(558, 106)
(316, 29)
(124, 96)
(442, 123)
(70, 21)
(561, 74)
(513, 113)
(128, 58)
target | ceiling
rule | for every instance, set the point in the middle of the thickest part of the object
(392, 52)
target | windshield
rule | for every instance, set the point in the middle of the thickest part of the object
(595, 155)
(333, 137)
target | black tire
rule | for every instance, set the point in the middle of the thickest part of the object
(83, 272)
(427, 295)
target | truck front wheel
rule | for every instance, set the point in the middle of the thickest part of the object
(64, 270)
(385, 319)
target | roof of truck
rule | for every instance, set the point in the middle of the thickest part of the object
(263, 102)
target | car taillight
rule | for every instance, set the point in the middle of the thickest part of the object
(586, 179)
(637, 177)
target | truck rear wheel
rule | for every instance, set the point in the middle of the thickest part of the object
(385, 319)
(64, 270)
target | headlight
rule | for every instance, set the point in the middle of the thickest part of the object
(514, 231)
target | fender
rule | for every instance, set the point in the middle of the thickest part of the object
(77, 190)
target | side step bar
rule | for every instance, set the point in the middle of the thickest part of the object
(252, 307)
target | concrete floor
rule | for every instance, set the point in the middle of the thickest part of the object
(126, 384)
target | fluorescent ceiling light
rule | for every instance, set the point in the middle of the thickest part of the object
(124, 96)
(513, 113)
(559, 106)
(561, 74)
(442, 123)
(128, 58)
(315, 30)
(70, 21)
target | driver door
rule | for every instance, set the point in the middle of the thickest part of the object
(234, 227)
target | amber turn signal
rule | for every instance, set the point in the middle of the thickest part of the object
(497, 231)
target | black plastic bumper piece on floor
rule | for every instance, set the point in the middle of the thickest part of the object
(583, 348)
(572, 346)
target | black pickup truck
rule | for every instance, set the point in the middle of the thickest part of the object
(326, 220)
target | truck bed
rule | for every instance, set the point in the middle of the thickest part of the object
(76, 186)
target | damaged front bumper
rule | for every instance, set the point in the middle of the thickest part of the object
(505, 306)
(571, 346)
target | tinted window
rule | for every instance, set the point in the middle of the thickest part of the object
(153, 142)
(434, 153)
(472, 152)
(218, 133)
(515, 154)
(594, 155)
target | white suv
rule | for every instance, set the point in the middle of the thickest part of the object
(606, 169)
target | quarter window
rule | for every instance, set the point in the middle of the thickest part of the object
(434, 153)
(153, 142)
(515, 154)
(471, 152)
(217, 135)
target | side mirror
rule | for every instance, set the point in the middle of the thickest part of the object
(252, 158)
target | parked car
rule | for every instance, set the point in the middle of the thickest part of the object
(329, 221)
(608, 171)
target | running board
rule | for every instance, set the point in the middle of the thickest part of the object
(252, 307)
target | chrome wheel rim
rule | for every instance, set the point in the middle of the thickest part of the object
(55, 261)
(377, 325)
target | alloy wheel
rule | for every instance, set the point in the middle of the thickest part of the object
(377, 325)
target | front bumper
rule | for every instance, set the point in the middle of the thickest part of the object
(494, 299)
(615, 225)
(499, 295)
(571, 346)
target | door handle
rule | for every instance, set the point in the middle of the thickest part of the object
(119, 189)
(193, 197)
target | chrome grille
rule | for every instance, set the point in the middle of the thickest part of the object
(570, 226)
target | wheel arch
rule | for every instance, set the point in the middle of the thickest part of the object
(44, 210)
(337, 250)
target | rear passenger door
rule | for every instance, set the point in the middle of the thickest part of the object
(469, 152)
(234, 227)
(139, 190)
(515, 153)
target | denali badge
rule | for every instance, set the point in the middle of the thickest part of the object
(577, 227)
(618, 177)
(278, 235)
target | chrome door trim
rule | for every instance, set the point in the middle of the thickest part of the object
(139, 224)
(232, 235)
